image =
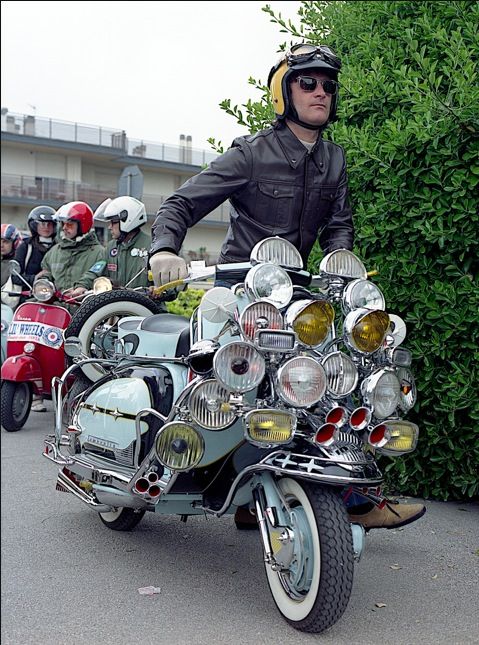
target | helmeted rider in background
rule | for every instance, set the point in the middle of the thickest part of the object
(11, 240)
(77, 259)
(127, 252)
(43, 227)
(285, 180)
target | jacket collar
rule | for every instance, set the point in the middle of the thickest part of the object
(295, 152)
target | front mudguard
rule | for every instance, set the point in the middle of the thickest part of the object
(23, 369)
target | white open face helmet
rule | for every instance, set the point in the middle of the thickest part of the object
(128, 211)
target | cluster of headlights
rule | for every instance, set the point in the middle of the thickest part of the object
(301, 381)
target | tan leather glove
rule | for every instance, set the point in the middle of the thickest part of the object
(166, 267)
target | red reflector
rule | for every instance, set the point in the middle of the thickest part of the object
(359, 418)
(377, 434)
(152, 478)
(335, 415)
(154, 491)
(325, 433)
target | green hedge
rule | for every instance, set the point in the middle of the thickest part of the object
(409, 123)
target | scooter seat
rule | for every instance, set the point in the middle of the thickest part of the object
(165, 323)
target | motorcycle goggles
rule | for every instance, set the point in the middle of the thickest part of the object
(303, 53)
(309, 84)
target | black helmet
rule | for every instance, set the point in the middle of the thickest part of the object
(299, 58)
(41, 214)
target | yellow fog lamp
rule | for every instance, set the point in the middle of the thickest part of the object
(179, 446)
(311, 320)
(269, 427)
(100, 285)
(365, 330)
(403, 436)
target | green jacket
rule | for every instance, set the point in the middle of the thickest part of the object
(124, 260)
(75, 264)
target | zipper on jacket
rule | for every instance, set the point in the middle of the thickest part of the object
(306, 163)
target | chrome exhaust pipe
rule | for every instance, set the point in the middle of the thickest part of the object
(117, 498)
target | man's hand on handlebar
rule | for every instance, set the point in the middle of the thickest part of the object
(167, 267)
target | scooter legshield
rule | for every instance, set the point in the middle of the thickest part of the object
(106, 418)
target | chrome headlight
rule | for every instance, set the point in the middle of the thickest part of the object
(403, 436)
(269, 282)
(179, 446)
(301, 382)
(407, 389)
(365, 330)
(102, 284)
(311, 320)
(209, 406)
(276, 250)
(344, 264)
(239, 367)
(362, 294)
(269, 427)
(380, 391)
(43, 290)
(260, 315)
(341, 372)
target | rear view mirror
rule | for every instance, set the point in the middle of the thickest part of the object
(14, 267)
(218, 305)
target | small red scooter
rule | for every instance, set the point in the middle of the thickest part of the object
(34, 353)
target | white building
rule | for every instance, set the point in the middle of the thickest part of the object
(45, 161)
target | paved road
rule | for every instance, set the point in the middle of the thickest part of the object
(67, 579)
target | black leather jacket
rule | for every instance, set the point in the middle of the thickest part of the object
(275, 187)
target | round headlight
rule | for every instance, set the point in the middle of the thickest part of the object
(260, 315)
(179, 446)
(362, 294)
(269, 282)
(301, 382)
(311, 320)
(407, 389)
(365, 330)
(43, 290)
(277, 251)
(102, 284)
(239, 367)
(341, 372)
(380, 391)
(209, 406)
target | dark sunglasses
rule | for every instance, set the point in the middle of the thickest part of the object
(309, 84)
(302, 53)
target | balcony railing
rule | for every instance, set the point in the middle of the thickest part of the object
(33, 126)
(49, 190)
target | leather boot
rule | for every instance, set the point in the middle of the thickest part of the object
(392, 516)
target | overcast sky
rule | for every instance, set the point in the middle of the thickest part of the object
(154, 69)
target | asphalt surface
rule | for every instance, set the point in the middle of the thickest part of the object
(67, 579)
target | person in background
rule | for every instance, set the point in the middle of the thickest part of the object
(42, 225)
(77, 259)
(285, 180)
(11, 240)
(127, 252)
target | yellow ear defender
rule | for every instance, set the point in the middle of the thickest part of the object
(276, 88)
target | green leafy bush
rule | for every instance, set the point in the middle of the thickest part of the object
(409, 122)
(185, 303)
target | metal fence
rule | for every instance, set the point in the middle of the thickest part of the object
(49, 190)
(33, 126)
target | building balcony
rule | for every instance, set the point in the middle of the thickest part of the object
(22, 190)
(28, 126)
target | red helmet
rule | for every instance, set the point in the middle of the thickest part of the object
(76, 212)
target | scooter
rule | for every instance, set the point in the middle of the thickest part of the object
(34, 351)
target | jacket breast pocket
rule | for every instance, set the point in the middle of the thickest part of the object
(275, 204)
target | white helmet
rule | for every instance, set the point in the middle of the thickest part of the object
(126, 210)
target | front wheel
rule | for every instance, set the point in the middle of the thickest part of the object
(122, 519)
(16, 401)
(314, 591)
(96, 323)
